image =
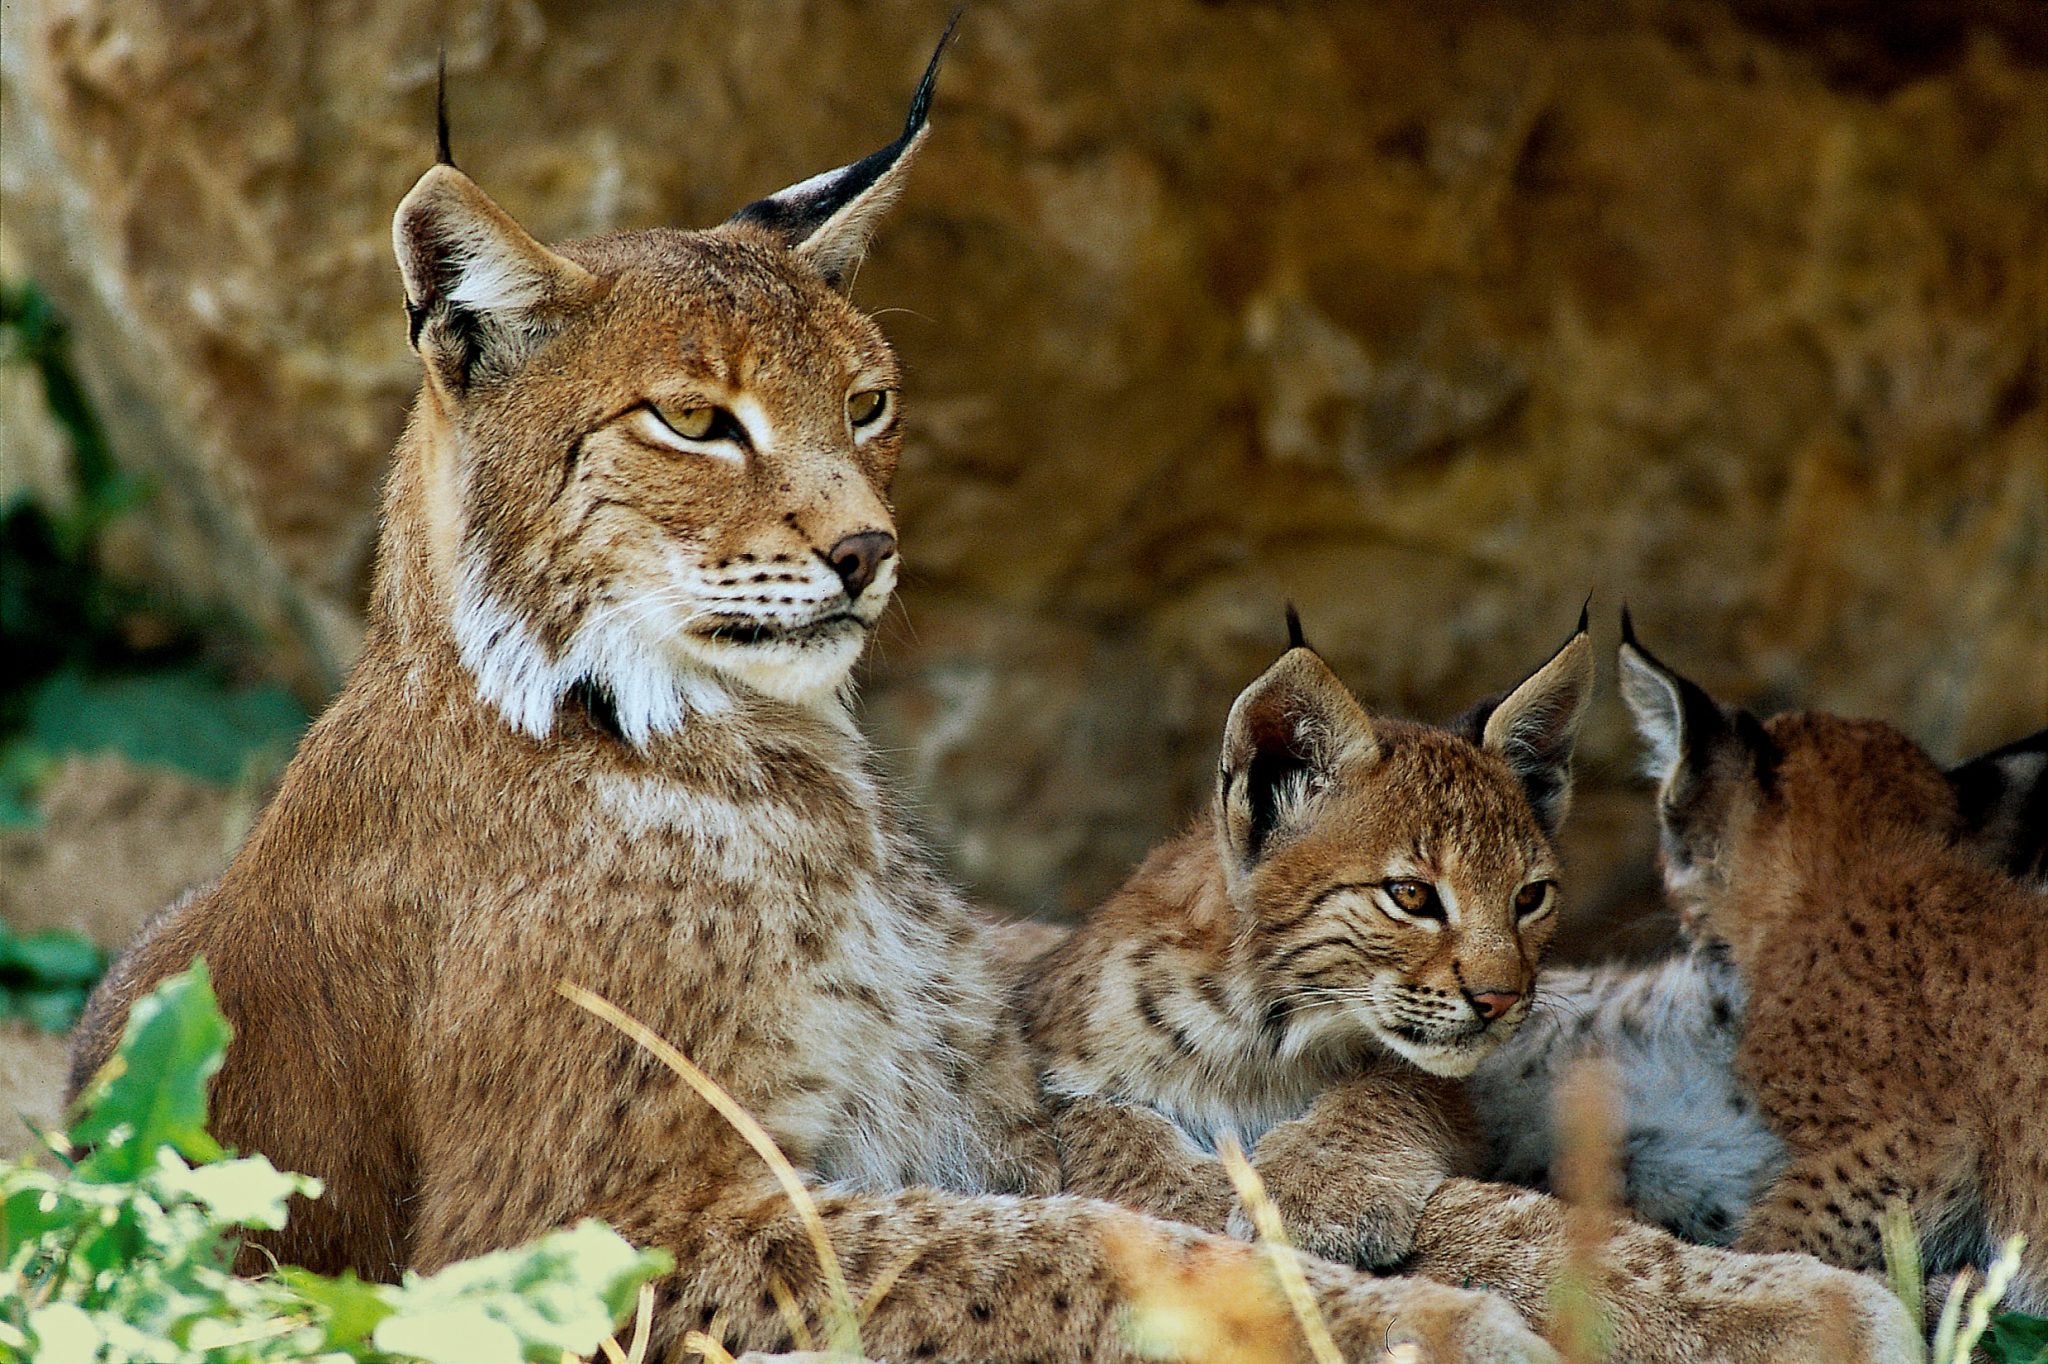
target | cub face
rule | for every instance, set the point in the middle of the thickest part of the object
(1729, 783)
(1395, 880)
(665, 455)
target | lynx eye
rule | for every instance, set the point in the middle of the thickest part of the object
(691, 423)
(1533, 897)
(1415, 898)
(868, 407)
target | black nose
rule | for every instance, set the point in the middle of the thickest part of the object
(857, 558)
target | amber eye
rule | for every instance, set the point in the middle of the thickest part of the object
(1533, 897)
(868, 406)
(691, 423)
(1415, 897)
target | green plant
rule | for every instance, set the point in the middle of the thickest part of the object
(45, 977)
(126, 1256)
(89, 662)
(1969, 1320)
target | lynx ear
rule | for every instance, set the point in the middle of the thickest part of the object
(480, 293)
(1286, 734)
(2003, 799)
(1684, 727)
(828, 219)
(1535, 726)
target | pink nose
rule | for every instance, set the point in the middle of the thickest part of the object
(1494, 1003)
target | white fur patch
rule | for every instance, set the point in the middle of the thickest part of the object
(515, 673)
(1697, 1153)
(1658, 712)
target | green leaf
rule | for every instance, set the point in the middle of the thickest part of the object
(2017, 1338)
(250, 1192)
(64, 1334)
(457, 1333)
(153, 1093)
(54, 956)
(51, 1011)
(350, 1308)
(565, 1291)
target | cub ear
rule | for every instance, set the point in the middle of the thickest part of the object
(2002, 797)
(1286, 735)
(828, 219)
(1685, 729)
(1535, 726)
(480, 293)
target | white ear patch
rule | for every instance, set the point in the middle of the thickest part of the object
(1659, 713)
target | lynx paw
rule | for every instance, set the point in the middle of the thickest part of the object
(1445, 1325)
(1365, 1222)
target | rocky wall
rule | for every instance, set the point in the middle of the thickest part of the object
(1430, 317)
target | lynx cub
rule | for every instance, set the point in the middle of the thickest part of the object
(1358, 923)
(1699, 1150)
(635, 536)
(1896, 1032)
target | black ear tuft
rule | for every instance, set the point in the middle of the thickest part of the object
(2002, 798)
(1586, 615)
(1535, 726)
(1676, 718)
(1295, 638)
(443, 156)
(828, 218)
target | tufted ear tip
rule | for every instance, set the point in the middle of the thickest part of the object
(1535, 727)
(828, 220)
(1295, 638)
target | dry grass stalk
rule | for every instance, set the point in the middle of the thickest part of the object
(1956, 1338)
(843, 1321)
(1251, 1191)
(709, 1343)
(1588, 1179)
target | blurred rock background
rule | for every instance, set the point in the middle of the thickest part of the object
(1431, 317)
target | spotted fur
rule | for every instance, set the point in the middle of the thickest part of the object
(1225, 989)
(1896, 1034)
(599, 734)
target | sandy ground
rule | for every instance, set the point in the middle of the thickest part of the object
(117, 842)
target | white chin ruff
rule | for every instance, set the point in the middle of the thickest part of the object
(799, 673)
(654, 684)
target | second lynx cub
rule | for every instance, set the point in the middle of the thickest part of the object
(1896, 1035)
(1358, 924)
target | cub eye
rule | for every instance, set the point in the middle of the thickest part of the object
(868, 406)
(1415, 897)
(691, 423)
(1533, 897)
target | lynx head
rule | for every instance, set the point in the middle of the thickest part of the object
(1397, 880)
(656, 464)
(1728, 783)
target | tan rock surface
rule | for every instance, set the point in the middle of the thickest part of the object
(1429, 317)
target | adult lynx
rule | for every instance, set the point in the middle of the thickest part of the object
(635, 535)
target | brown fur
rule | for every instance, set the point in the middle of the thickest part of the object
(598, 734)
(1896, 1034)
(1220, 992)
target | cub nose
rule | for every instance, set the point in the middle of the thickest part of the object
(858, 557)
(1491, 1004)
